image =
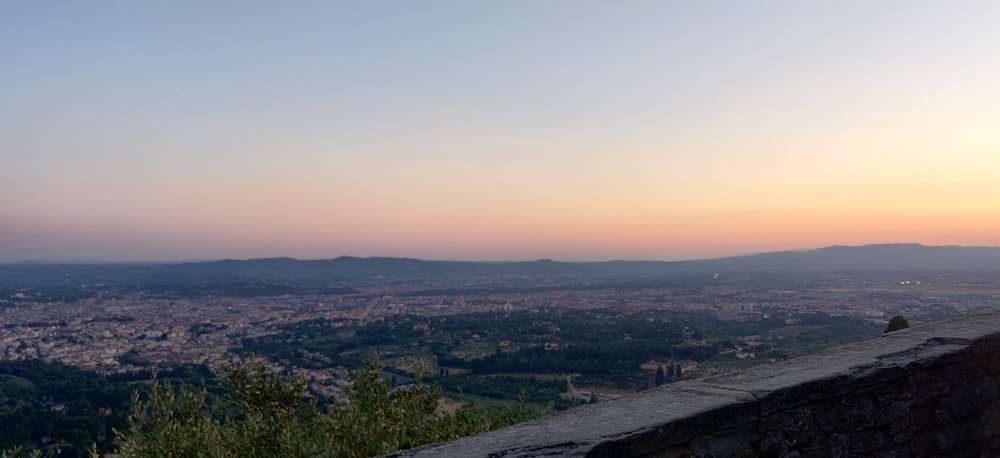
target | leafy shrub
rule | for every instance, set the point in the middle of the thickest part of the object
(267, 414)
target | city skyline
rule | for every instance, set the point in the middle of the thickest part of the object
(576, 131)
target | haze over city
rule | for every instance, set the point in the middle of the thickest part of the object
(162, 131)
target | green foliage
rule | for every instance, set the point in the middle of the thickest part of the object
(479, 348)
(20, 452)
(168, 416)
(539, 392)
(25, 452)
(896, 323)
(51, 404)
(267, 414)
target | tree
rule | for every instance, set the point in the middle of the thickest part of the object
(660, 378)
(896, 323)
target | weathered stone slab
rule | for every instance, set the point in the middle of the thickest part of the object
(672, 414)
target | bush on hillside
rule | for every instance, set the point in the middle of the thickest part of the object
(267, 415)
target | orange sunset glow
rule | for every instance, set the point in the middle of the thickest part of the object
(495, 131)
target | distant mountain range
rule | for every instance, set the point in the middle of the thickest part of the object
(886, 257)
(890, 257)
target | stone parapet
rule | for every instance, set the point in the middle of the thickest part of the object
(927, 391)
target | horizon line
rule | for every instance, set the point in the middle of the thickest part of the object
(207, 260)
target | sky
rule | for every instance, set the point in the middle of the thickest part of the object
(494, 130)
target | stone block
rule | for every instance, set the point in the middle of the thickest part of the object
(725, 443)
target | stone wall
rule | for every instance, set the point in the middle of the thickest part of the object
(928, 391)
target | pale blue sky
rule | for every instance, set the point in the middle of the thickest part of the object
(493, 130)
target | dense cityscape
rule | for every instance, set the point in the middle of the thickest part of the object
(99, 325)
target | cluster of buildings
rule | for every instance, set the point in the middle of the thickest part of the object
(118, 331)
